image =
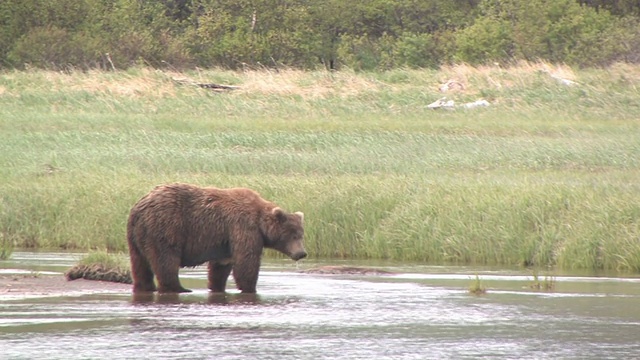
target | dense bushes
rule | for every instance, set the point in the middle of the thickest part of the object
(359, 34)
(554, 30)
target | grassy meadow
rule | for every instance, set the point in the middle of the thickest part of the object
(547, 175)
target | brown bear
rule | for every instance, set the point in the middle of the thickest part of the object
(180, 225)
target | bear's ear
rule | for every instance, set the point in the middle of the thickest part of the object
(300, 214)
(279, 213)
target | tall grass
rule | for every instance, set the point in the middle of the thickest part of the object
(116, 262)
(6, 248)
(547, 175)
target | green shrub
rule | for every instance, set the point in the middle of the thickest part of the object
(54, 48)
(416, 51)
(553, 30)
(362, 35)
(487, 40)
(365, 53)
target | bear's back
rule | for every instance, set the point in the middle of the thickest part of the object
(186, 205)
(237, 204)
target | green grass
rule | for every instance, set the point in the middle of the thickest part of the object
(547, 175)
(6, 248)
(547, 283)
(477, 287)
(115, 261)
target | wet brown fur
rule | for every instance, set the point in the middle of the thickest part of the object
(180, 225)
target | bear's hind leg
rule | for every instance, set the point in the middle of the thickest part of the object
(140, 271)
(167, 269)
(218, 275)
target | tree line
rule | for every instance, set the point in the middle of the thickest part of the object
(307, 34)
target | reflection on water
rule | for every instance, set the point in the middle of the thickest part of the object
(211, 298)
(419, 313)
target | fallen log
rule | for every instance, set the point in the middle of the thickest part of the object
(98, 272)
(210, 86)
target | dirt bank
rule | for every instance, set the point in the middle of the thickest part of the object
(54, 285)
(346, 270)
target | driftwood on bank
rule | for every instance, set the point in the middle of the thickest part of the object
(98, 272)
(210, 86)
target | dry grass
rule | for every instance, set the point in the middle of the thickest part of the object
(142, 83)
(145, 82)
(522, 68)
(500, 77)
(314, 85)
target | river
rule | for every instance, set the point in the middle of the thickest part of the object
(419, 312)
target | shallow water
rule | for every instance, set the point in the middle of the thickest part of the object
(421, 313)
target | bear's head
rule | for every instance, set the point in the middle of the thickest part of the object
(284, 232)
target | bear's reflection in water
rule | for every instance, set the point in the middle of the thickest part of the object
(210, 298)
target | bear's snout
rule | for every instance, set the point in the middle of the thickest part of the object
(295, 250)
(299, 255)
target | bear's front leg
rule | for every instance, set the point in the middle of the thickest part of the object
(245, 273)
(218, 275)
